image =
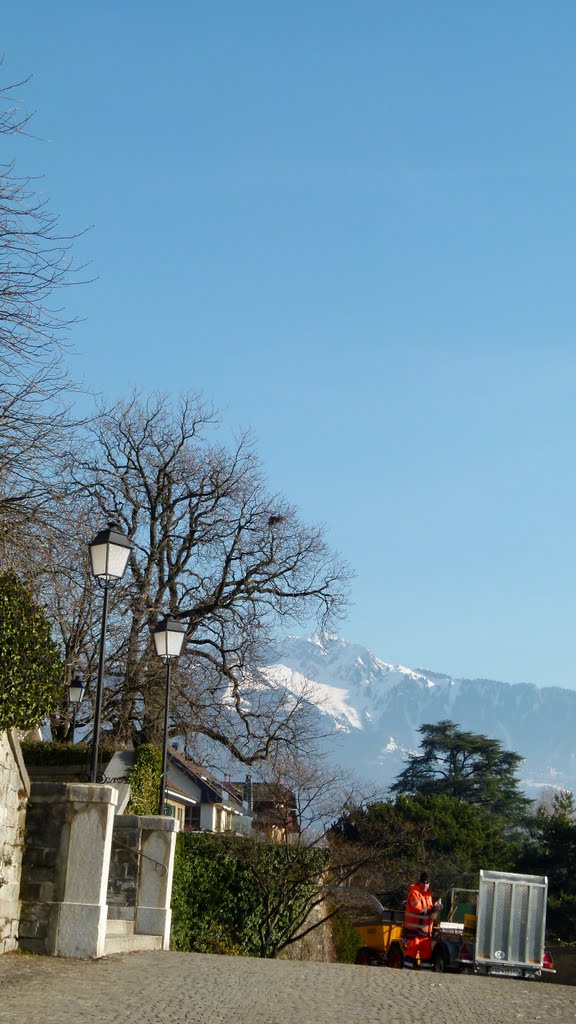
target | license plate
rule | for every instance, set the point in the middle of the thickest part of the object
(512, 972)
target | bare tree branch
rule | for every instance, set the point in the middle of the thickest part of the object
(35, 388)
(213, 547)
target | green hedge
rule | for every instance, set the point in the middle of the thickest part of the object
(144, 776)
(55, 753)
(234, 894)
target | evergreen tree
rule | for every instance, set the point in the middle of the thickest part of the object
(552, 852)
(467, 766)
(394, 840)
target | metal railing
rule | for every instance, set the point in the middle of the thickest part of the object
(138, 853)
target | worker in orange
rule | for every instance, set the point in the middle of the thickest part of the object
(419, 922)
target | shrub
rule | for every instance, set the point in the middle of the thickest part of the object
(31, 671)
(145, 780)
(346, 940)
(55, 753)
(242, 895)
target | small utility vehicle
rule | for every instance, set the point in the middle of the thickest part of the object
(495, 929)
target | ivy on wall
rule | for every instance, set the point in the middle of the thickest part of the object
(233, 894)
(31, 671)
(346, 939)
(145, 780)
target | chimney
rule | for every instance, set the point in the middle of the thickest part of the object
(248, 798)
(227, 782)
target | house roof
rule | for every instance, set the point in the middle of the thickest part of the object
(203, 777)
(179, 793)
(274, 805)
(273, 793)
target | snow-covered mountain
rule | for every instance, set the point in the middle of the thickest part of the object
(377, 708)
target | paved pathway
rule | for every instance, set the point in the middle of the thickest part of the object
(191, 988)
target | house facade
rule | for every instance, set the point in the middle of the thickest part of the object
(274, 807)
(201, 802)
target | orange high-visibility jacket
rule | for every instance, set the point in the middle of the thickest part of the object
(419, 915)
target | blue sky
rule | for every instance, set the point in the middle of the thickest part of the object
(353, 226)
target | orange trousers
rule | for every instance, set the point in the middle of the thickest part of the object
(419, 948)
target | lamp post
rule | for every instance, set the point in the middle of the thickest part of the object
(76, 691)
(168, 640)
(109, 553)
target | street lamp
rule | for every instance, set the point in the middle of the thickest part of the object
(76, 691)
(168, 640)
(109, 553)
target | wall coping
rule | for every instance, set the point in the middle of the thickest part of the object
(147, 822)
(75, 792)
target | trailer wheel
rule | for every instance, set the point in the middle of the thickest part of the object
(368, 957)
(440, 960)
(395, 957)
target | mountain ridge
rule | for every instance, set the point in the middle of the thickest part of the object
(376, 708)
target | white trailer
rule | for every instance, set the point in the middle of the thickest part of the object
(505, 934)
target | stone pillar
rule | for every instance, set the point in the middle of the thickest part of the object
(124, 862)
(14, 789)
(157, 849)
(65, 869)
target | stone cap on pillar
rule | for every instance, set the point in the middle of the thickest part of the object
(74, 792)
(148, 822)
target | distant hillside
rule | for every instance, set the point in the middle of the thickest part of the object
(377, 708)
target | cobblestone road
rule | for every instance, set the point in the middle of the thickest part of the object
(190, 988)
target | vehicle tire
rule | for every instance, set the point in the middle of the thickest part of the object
(368, 957)
(395, 957)
(439, 960)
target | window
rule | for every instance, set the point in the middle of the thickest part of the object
(176, 811)
(192, 818)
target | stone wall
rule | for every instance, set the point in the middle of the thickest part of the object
(124, 862)
(141, 872)
(317, 945)
(42, 875)
(65, 869)
(14, 789)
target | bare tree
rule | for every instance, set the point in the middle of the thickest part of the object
(314, 874)
(214, 548)
(35, 388)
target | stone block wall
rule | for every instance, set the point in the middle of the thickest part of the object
(65, 869)
(141, 872)
(124, 862)
(14, 790)
(42, 876)
(317, 945)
